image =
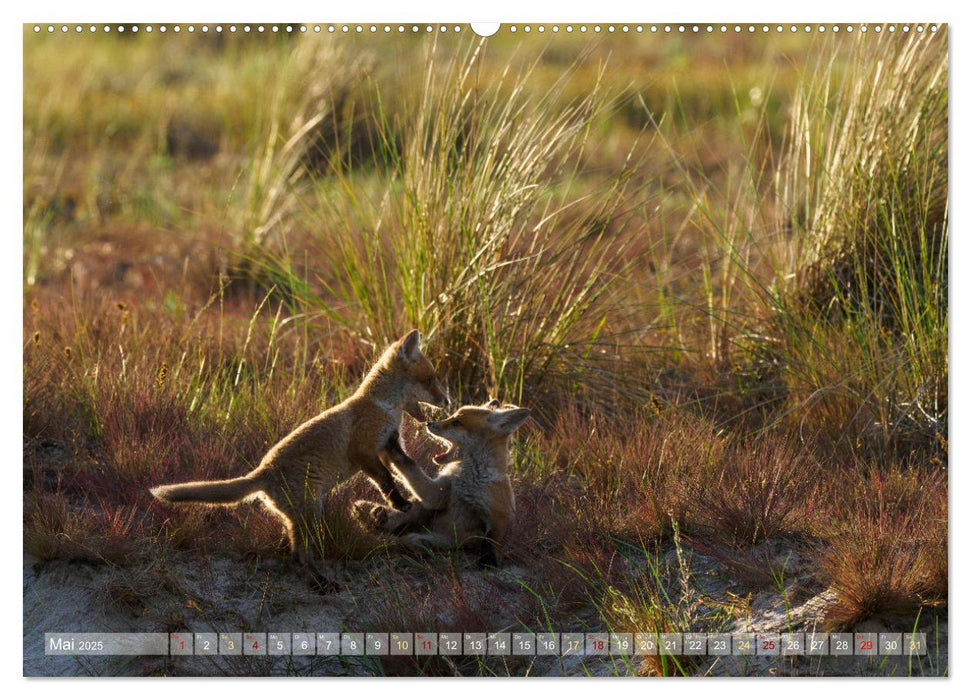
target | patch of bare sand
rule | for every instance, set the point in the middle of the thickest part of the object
(188, 592)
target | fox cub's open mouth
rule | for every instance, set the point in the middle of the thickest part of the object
(447, 456)
(449, 448)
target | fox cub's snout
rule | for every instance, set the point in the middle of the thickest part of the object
(475, 428)
(426, 387)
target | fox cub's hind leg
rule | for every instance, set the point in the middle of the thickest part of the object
(428, 540)
(488, 556)
(382, 518)
(371, 514)
(301, 512)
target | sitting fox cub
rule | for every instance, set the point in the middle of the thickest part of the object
(335, 445)
(471, 500)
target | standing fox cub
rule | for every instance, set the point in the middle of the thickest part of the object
(471, 500)
(345, 439)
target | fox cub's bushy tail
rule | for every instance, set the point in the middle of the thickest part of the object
(227, 492)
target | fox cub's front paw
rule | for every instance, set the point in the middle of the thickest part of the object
(393, 452)
(373, 515)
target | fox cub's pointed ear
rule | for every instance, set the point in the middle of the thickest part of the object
(507, 421)
(411, 347)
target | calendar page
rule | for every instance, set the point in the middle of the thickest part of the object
(576, 349)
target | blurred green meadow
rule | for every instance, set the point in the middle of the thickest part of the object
(714, 265)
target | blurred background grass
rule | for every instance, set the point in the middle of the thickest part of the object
(551, 209)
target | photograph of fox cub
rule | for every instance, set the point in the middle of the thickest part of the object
(470, 501)
(330, 448)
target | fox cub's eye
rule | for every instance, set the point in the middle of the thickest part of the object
(456, 423)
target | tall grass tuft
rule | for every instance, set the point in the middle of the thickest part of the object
(306, 103)
(859, 310)
(480, 234)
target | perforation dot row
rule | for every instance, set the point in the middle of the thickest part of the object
(443, 28)
(722, 28)
(250, 29)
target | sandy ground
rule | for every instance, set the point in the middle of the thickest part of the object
(224, 593)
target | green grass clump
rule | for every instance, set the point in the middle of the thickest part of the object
(858, 311)
(480, 235)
